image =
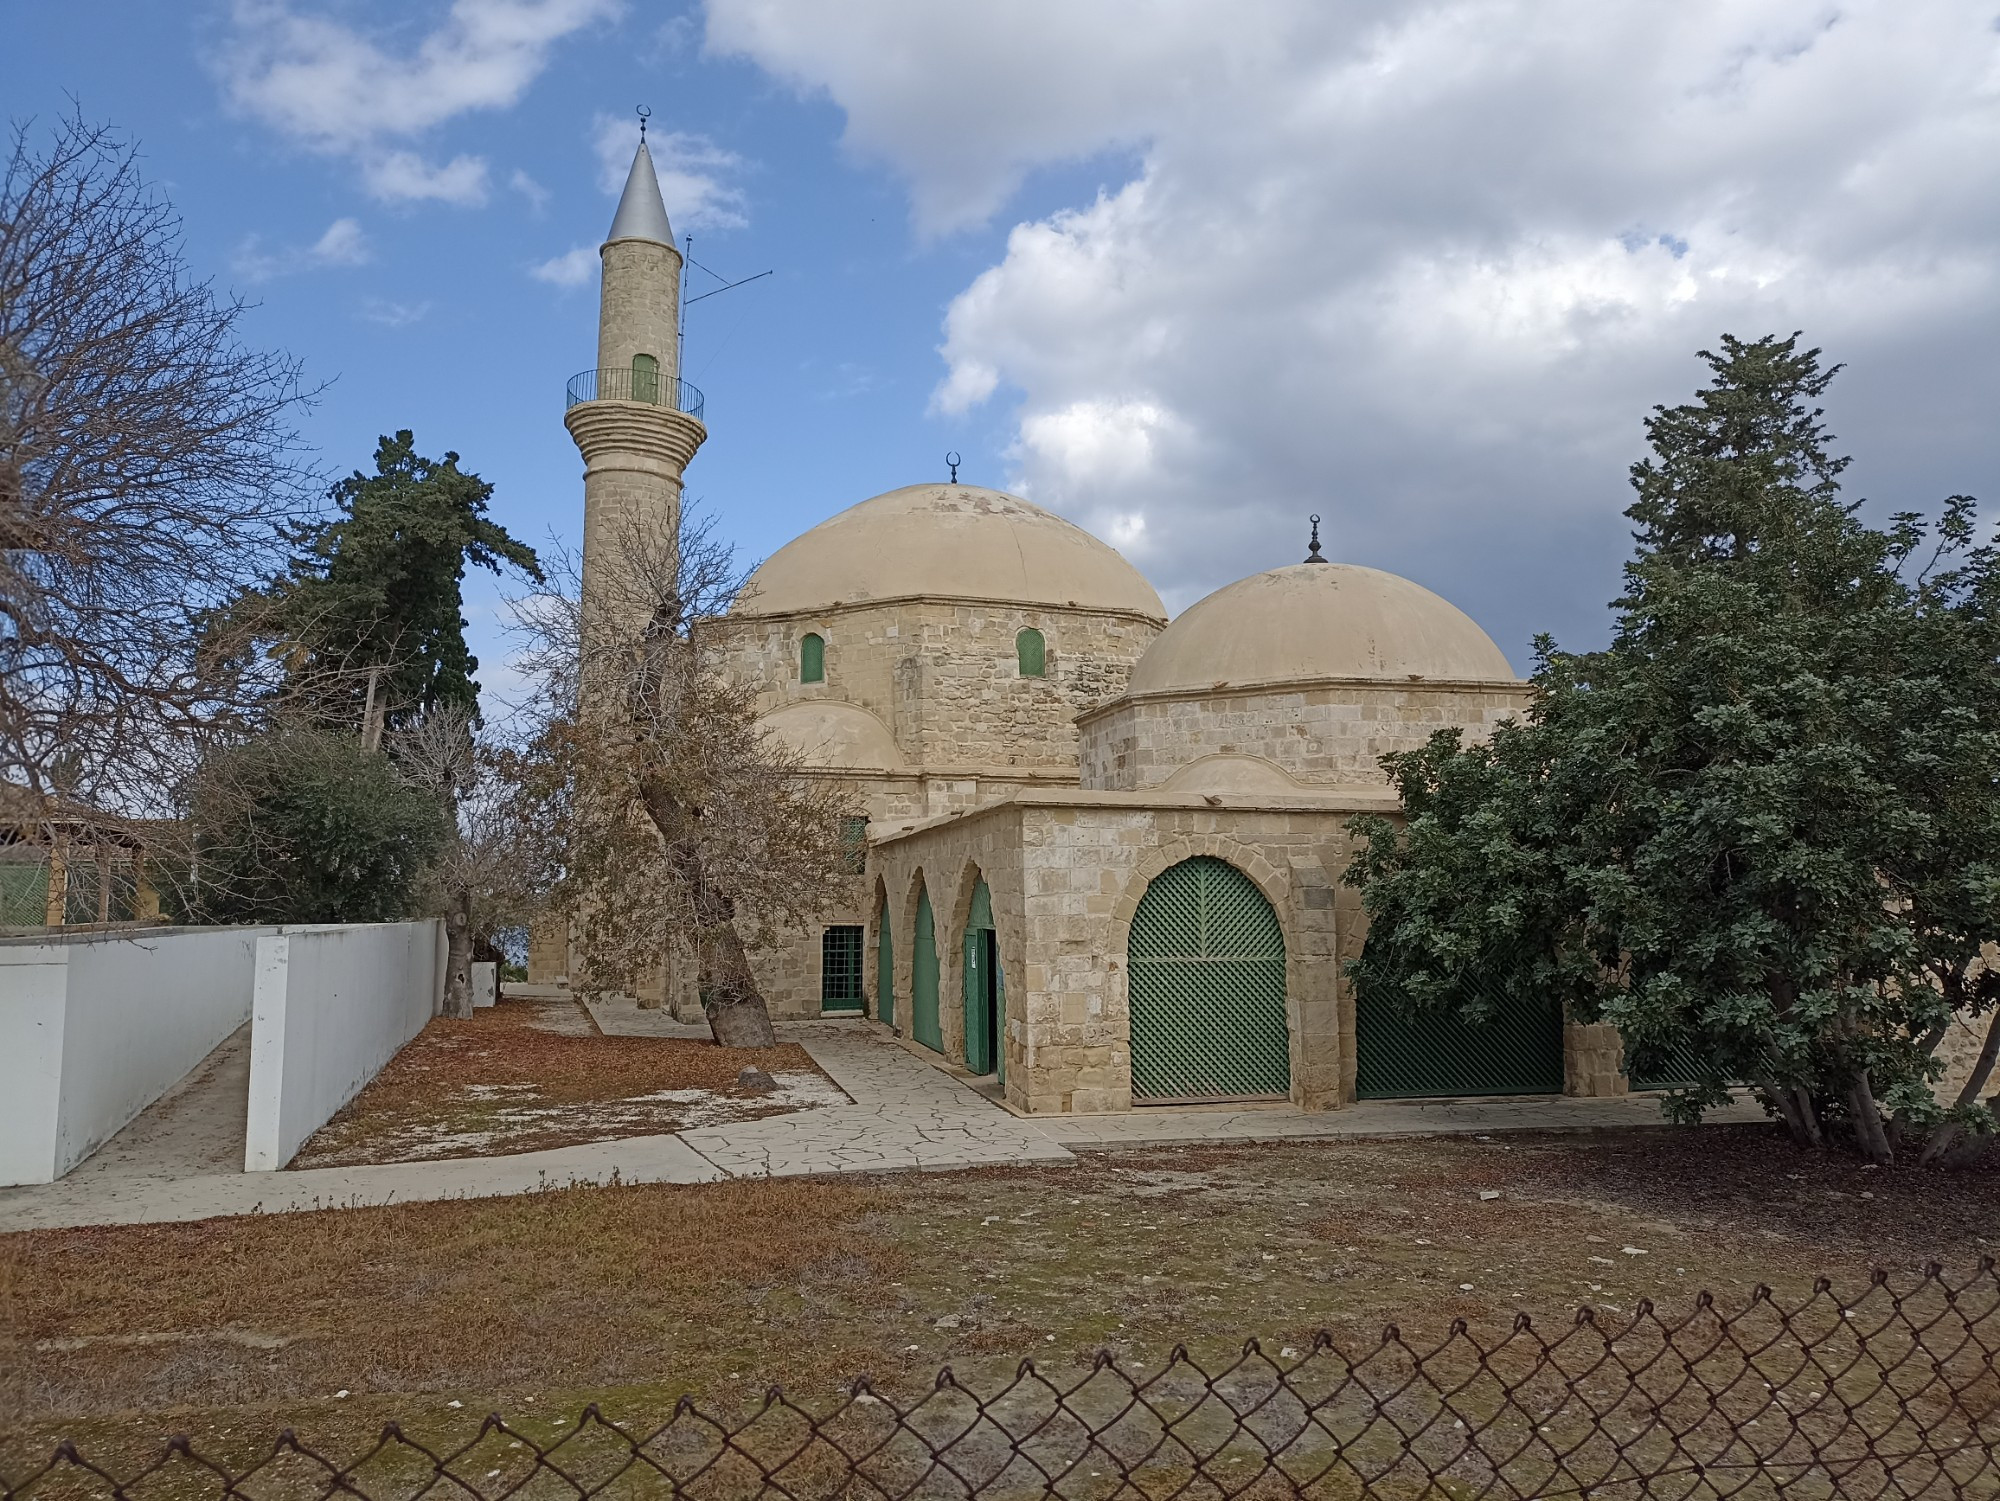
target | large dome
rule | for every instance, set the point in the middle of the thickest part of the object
(953, 541)
(1318, 620)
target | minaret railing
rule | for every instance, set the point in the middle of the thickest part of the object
(649, 387)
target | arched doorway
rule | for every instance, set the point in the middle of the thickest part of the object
(1207, 960)
(924, 1025)
(885, 964)
(1404, 1054)
(984, 992)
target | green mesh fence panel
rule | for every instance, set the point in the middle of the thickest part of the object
(1668, 1070)
(1403, 1055)
(1208, 988)
(924, 979)
(840, 968)
(885, 968)
(24, 894)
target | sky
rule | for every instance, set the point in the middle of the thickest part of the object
(1185, 272)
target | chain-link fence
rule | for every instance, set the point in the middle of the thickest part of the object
(1894, 1393)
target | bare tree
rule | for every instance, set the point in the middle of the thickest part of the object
(670, 820)
(475, 880)
(148, 473)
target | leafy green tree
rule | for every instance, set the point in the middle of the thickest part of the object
(309, 826)
(379, 587)
(1757, 832)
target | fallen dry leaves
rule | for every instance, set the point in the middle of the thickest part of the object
(508, 1081)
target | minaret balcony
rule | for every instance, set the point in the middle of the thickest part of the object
(648, 387)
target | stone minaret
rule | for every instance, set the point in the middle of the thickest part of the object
(634, 420)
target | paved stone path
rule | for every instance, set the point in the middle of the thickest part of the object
(194, 1129)
(906, 1112)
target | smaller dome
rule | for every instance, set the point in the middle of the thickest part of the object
(953, 542)
(828, 733)
(1318, 620)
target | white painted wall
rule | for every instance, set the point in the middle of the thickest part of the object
(331, 1006)
(94, 1028)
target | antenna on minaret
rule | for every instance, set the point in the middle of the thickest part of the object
(1313, 556)
(644, 115)
(687, 254)
(953, 459)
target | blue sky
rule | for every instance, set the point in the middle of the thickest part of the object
(1184, 272)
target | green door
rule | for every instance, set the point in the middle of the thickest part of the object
(924, 979)
(645, 378)
(1402, 1055)
(982, 985)
(1208, 988)
(885, 969)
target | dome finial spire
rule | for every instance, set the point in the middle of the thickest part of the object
(953, 460)
(1313, 556)
(645, 114)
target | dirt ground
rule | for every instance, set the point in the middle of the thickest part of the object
(334, 1322)
(524, 1076)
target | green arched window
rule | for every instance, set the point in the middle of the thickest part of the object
(812, 658)
(1032, 653)
(645, 378)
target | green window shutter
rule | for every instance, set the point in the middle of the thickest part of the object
(645, 378)
(854, 844)
(1032, 653)
(1207, 961)
(840, 968)
(812, 658)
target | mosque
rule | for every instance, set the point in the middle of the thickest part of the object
(1098, 852)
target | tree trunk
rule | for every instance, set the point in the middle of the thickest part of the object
(730, 999)
(1869, 1134)
(1796, 1107)
(737, 1015)
(458, 957)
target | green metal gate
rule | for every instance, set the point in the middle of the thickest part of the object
(885, 968)
(1401, 1055)
(1208, 988)
(984, 1003)
(1669, 1069)
(924, 979)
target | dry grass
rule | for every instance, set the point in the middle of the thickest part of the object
(505, 1081)
(636, 1294)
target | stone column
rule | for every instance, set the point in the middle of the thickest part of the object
(1593, 1061)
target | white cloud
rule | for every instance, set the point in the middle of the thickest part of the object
(405, 177)
(572, 268)
(1423, 265)
(393, 314)
(343, 244)
(335, 90)
(528, 188)
(691, 168)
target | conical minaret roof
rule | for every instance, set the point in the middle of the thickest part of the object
(642, 213)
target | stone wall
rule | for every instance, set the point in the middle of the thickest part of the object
(1327, 734)
(789, 972)
(943, 674)
(1958, 1052)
